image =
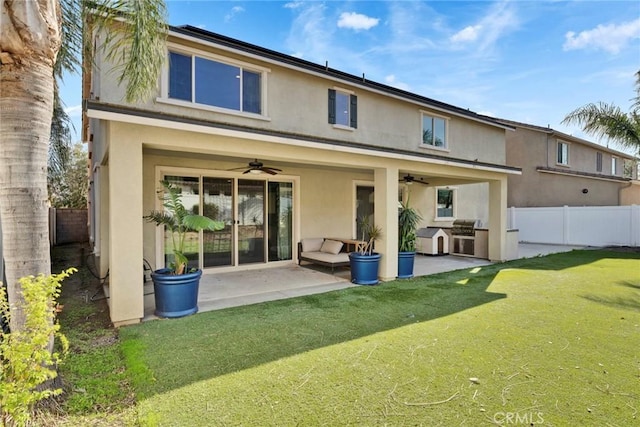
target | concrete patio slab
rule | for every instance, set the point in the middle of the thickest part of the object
(223, 290)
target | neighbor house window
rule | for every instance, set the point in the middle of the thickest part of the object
(208, 82)
(598, 162)
(445, 203)
(563, 153)
(343, 108)
(614, 165)
(434, 131)
(627, 168)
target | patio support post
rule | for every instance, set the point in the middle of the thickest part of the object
(497, 219)
(386, 217)
(125, 230)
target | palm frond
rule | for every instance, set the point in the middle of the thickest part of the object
(199, 222)
(162, 218)
(60, 139)
(69, 56)
(136, 44)
(603, 120)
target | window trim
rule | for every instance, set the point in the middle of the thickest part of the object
(454, 198)
(558, 160)
(446, 119)
(182, 50)
(614, 165)
(353, 108)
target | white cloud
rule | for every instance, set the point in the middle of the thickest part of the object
(392, 81)
(293, 5)
(356, 21)
(499, 20)
(610, 38)
(75, 111)
(469, 33)
(233, 12)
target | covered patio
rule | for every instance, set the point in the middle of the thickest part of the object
(236, 288)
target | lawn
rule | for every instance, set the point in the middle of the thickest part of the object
(552, 340)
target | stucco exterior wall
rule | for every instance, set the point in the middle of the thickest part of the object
(296, 102)
(531, 149)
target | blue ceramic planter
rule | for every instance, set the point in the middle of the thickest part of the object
(364, 268)
(176, 296)
(405, 264)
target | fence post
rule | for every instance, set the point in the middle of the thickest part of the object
(634, 227)
(565, 225)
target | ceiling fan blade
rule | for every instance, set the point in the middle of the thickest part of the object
(269, 171)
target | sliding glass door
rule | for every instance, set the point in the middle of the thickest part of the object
(257, 217)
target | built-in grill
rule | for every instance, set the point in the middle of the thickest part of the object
(463, 234)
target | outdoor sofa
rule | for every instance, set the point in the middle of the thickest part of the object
(325, 252)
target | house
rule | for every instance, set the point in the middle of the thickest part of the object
(562, 170)
(280, 149)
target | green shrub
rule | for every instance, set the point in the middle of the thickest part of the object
(26, 358)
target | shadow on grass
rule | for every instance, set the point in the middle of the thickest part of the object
(629, 303)
(168, 354)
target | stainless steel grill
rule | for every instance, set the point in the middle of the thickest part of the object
(463, 234)
(463, 227)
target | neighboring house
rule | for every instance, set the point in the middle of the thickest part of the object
(341, 143)
(562, 170)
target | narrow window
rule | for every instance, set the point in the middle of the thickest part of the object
(598, 162)
(563, 153)
(343, 109)
(614, 165)
(445, 201)
(179, 76)
(627, 168)
(434, 131)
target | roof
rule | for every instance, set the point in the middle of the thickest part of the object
(566, 137)
(325, 70)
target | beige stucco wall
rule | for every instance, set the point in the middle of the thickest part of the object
(296, 102)
(530, 149)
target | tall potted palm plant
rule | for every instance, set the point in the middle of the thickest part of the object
(364, 262)
(176, 287)
(408, 220)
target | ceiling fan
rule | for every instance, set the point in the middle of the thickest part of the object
(410, 179)
(256, 167)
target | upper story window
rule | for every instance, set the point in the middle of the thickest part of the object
(434, 131)
(598, 162)
(614, 165)
(445, 203)
(563, 154)
(627, 168)
(209, 82)
(343, 108)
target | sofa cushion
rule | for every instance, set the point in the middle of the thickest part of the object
(331, 247)
(312, 244)
(327, 258)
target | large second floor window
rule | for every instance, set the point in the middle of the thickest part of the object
(627, 168)
(563, 154)
(434, 131)
(598, 162)
(209, 82)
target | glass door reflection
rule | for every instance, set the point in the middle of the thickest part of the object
(251, 221)
(217, 204)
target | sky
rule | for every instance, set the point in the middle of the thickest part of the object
(528, 61)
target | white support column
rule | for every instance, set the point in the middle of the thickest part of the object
(498, 220)
(386, 217)
(125, 231)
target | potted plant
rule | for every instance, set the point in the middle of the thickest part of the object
(176, 287)
(408, 220)
(364, 262)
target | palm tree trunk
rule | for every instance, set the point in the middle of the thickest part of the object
(29, 42)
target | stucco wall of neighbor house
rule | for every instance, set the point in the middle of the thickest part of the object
(296, 102)
(630, 193)
(530, 149)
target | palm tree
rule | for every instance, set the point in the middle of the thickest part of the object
(609, 121)
(39, 40)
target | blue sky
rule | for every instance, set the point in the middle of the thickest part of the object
(529, 61)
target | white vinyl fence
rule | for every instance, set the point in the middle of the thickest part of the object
(588, 225)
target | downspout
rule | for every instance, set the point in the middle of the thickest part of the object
(629, 184)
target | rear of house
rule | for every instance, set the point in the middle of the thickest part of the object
(279, 149)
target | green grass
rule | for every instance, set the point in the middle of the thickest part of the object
(550, 340)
